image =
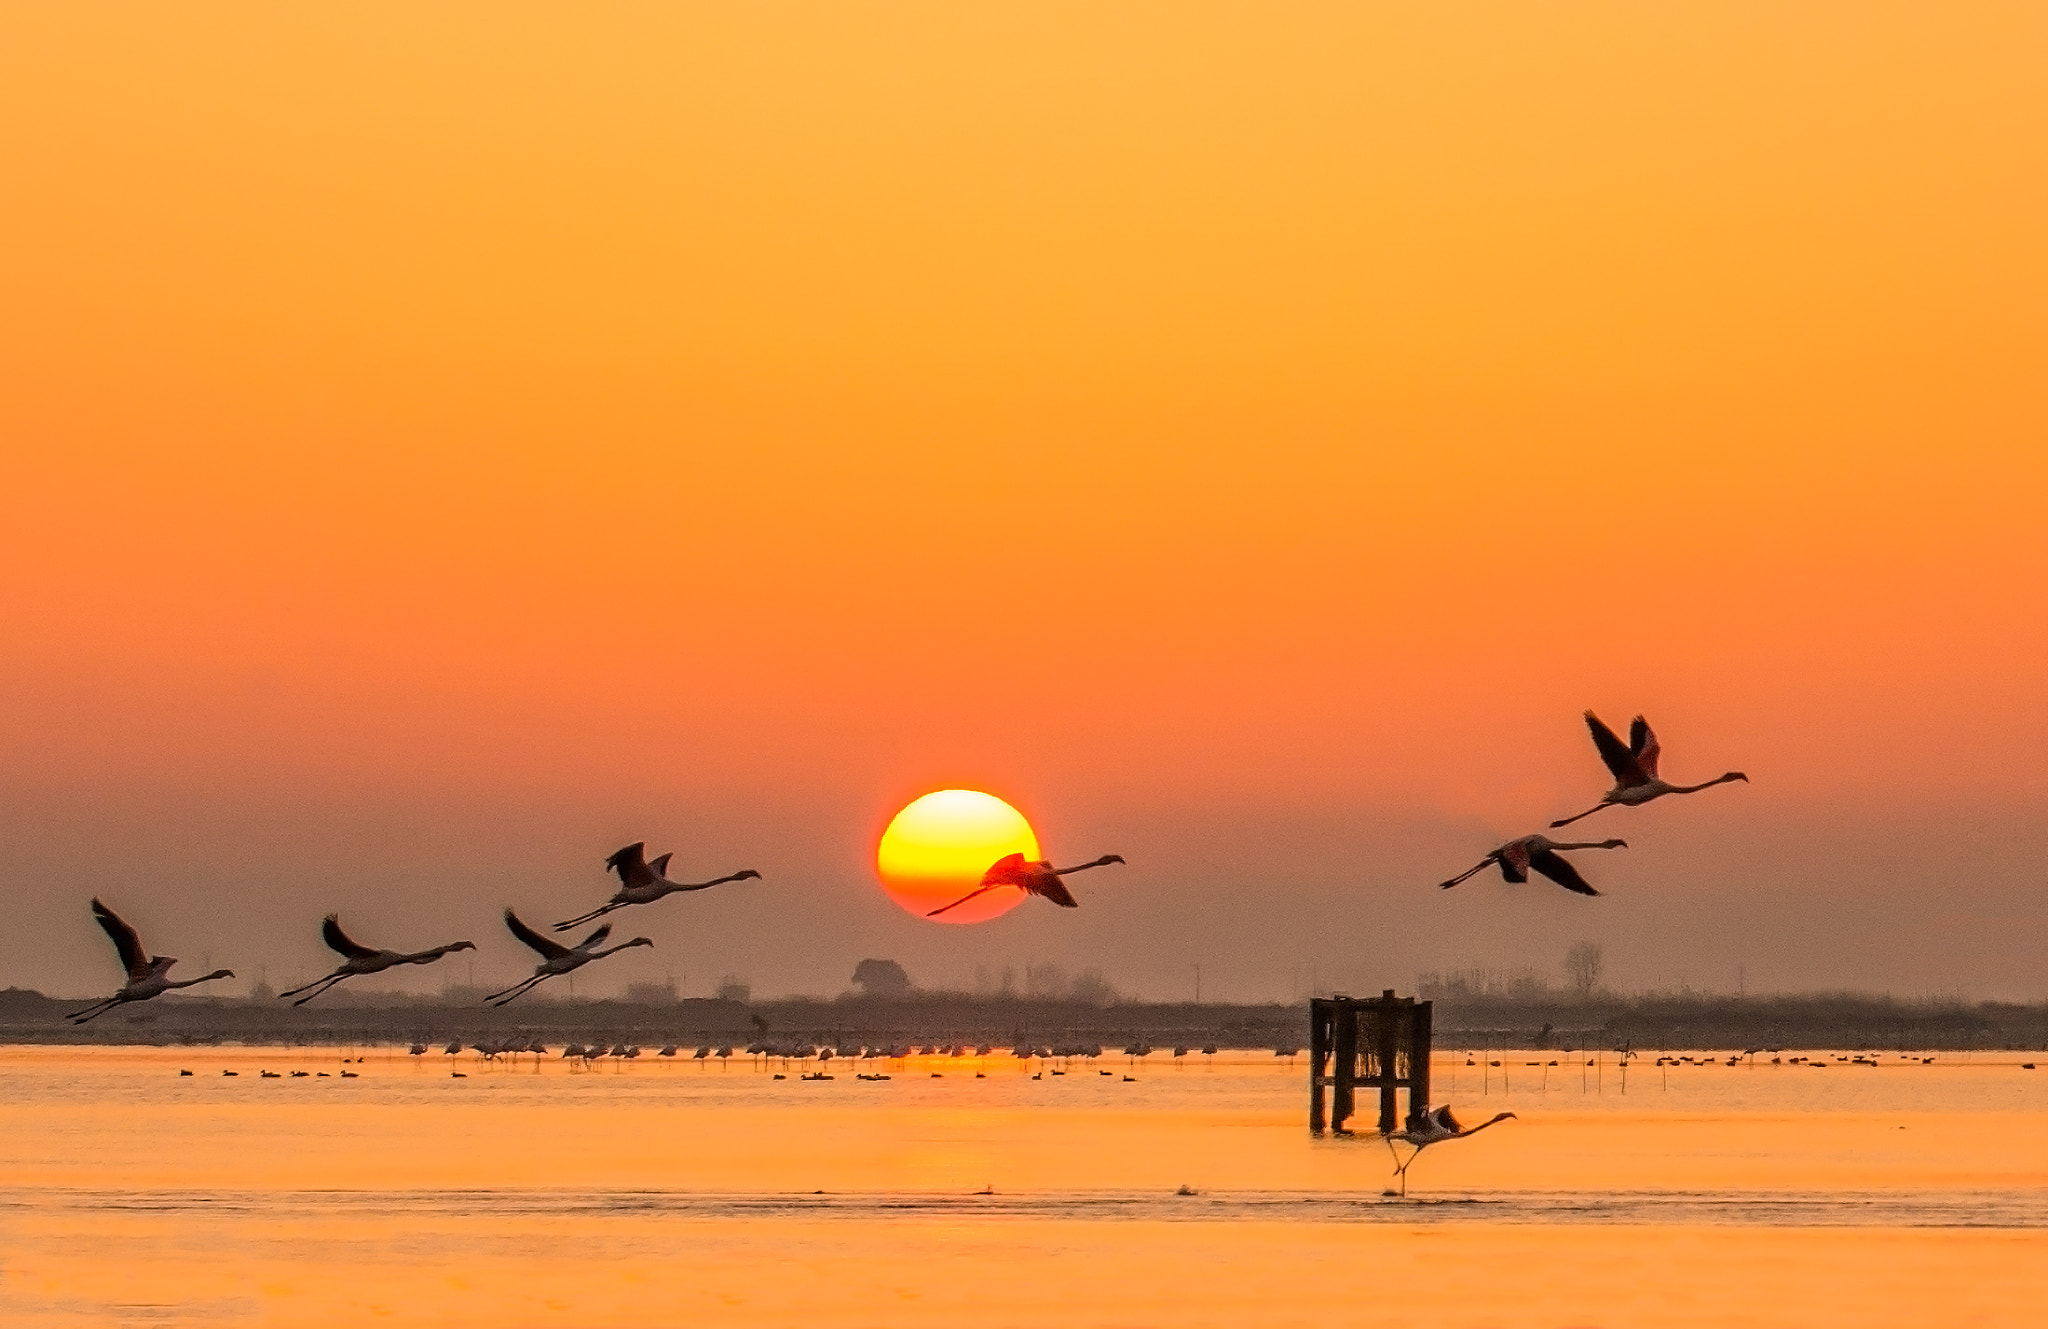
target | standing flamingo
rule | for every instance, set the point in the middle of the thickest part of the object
(555, 957)
(1040, 878)
(360, 959)
(1429, 1127)
(1516, 857)
(641, 882)
(148, 975)
(1634, 765)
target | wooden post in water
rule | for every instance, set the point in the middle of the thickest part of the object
(1390, 1053)
(1345, 1014)
(1318, 1063)
(1421, 1025)
(1391, 1025)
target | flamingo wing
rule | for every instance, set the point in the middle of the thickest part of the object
(1642, 741)
(659, 867)
(133, 958)
(1514, 860)
(1553, 865)
(1447, 1121)
(1621, 762)
(631, 864)
(340, 942)
(546, 948)
(1005, 871)
(596, 938)
(1055, 890)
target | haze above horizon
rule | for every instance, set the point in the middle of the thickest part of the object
(444, 447)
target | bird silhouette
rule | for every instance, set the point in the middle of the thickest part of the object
(555, 958)
(1432, 1126)
(641, 882)
(359, 959)
(1634, 766)
(148, 975)
(1540, 852)
(1040, 878)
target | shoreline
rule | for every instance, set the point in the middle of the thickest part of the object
(1647, 1024)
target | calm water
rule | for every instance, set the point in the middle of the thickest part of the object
(657, 1193)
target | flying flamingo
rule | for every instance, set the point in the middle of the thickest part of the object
(1433, 1126)
(1634, 765)
(1516, 857)
(360, 959)
(148, 975)
(557, 958)
(641, 882)
(1040, 878)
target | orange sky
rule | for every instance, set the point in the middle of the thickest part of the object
(447, 445)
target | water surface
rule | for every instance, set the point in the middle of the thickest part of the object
(663, 1193)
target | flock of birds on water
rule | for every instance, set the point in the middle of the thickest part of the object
(1633, 764)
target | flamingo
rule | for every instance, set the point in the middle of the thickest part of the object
(642, 882)
(360, 959)
(1516, 857)
(1429, 1127)
(1634, 765)
(1040, 878)
(557, 958)
(148, 975)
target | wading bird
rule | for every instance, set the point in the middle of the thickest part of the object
(360, 959)
(1432, 1127)
(1541, 852)
(555, 958)
(1634, 766)
(641, 882)
(1040, 878)
(148, 975)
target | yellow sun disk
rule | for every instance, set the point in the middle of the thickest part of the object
(937, 848)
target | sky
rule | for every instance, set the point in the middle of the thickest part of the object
(441, 447)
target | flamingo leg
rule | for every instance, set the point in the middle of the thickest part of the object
(98, 1008)
(1402, 1170)
(1587, 813)
(1481, 865)
(514, 988)
(962, 900)
(314, 984)
(514, 992)
(580, 921)
(320, 987)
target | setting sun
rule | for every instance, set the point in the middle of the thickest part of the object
(937, 849)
